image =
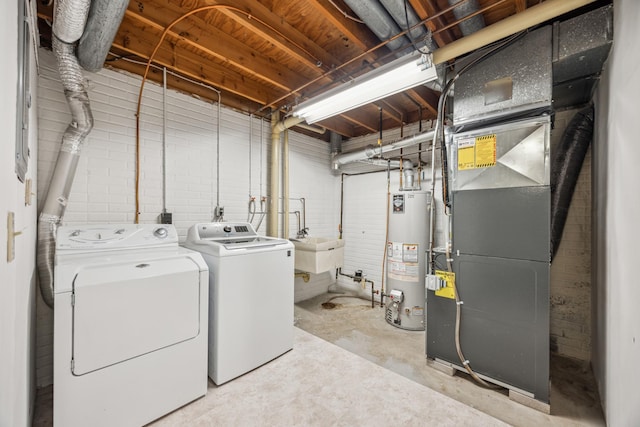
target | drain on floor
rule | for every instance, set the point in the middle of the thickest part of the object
(329, 305)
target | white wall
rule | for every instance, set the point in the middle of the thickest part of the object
(17, 278)
(617, 210)
(104, 192)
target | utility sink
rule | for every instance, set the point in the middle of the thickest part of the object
(318, 254)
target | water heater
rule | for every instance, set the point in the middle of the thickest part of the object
(406, 261)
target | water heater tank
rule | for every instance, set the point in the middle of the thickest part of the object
(406, 260)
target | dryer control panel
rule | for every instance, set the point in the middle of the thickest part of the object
(115, 236)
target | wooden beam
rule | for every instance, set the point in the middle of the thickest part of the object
(424, 97)
(216, 43)
(357, 33)
(521, 5)
(425, 9)
(287, 38)
(140, 42)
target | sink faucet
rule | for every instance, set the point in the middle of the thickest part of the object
(302, 233)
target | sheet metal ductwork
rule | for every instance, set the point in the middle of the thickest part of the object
(565, 169)
(69, 21)
(99, 32)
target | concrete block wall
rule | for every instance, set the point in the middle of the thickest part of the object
(570, 308)
(104, 187)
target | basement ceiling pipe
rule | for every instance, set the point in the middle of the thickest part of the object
(102, 24)
(565, 170)
(386, 18)
(528, 18)
(68, 20)
(370, 152)
(378, 20)
(471, 25)
(277, 127)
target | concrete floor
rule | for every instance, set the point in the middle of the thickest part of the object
(374, 375)
(355, 326)
(315, 384)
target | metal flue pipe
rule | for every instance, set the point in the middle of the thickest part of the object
(370, 152)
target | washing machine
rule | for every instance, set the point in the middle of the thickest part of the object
(250, 296)
(130, 324)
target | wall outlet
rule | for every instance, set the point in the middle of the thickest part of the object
(165, 218)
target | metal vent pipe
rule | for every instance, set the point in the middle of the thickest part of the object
(69, 19)
(69, 24)
(378, 20)
(471, 25)
(102, 24)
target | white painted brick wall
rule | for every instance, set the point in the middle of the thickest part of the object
(104, 187)
(571, 268)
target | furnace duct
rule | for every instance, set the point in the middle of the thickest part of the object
(99, 32)
(69, 19)
(565, 170)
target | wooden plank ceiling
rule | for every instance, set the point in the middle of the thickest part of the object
(265, 54)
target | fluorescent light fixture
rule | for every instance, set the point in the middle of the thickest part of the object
(404, 73)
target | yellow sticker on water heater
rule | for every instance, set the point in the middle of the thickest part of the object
(450, 280)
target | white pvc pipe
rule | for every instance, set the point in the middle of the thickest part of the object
(274, 195)
(528, 18)
(285, 185)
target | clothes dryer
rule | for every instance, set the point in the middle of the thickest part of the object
(130, 325)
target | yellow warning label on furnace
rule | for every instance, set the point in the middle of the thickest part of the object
(478, 152)
(486, 151)
(450, 279)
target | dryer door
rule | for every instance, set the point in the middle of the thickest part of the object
(121, 311)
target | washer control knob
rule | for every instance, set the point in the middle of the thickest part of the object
(227, 229)
(160, 233)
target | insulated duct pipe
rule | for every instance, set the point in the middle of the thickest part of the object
(565, 170)
(528, 18)
(378, 20)
(417, 35)
(102, 24)
(68, 19)
(385, 19)
(471, 25)
(370, 152)
(277, 127)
